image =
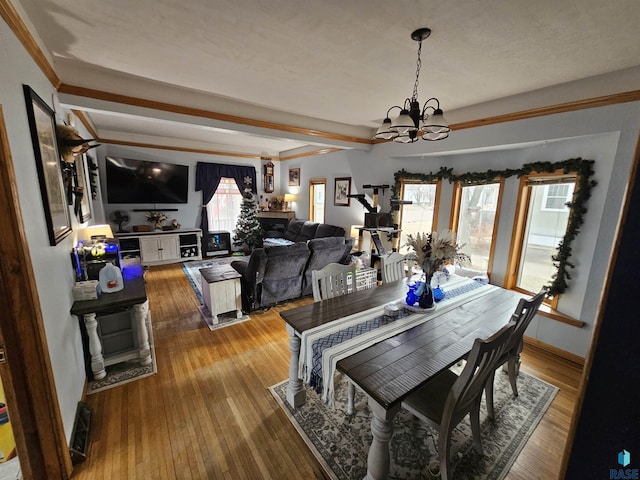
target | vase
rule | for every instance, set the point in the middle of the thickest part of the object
(426, 297)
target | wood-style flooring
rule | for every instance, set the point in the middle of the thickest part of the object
(208, 413)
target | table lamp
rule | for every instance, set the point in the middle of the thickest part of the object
(98, 232)
(288, 199)
(355, 234)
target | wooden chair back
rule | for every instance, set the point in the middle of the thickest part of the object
(481, 364)
(447, 399)
(333, 280)
(522, 316)
(392, 267)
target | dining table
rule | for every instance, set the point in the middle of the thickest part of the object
(390, 369)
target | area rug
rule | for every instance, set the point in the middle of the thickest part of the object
(192, 272)
(125, 372)
(340, 442)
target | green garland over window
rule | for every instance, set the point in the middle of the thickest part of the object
(582, 193)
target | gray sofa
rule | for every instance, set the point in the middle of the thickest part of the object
(281, 273)
(304, 230)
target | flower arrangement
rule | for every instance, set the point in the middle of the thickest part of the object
(156, 218)
(434, 250)
(277, 203)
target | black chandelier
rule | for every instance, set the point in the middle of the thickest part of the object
(411, 121)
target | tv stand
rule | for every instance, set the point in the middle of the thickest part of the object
(161, 246)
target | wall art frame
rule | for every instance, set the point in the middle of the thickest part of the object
(45, 148)
(294, 177)
(341, 192)
(81, 190)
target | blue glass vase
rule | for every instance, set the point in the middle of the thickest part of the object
(426, 297)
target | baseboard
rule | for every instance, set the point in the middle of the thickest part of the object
(572, 357)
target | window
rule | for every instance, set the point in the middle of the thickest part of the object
(421, 215)
(555, 197)
(474, 219)
(541, 223)
(317, 190)
(224, 208)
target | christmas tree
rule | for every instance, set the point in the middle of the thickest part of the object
(248, 229)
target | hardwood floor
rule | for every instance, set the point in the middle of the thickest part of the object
(208, 414)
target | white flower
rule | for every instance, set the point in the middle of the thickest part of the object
(435, 249)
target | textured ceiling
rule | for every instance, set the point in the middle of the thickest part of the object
(333, 65)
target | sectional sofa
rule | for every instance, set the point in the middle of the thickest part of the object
(275, 274)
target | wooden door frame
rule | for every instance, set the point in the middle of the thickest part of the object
(317, 181)
(26, 375)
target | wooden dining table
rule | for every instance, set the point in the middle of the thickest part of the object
(393, 368)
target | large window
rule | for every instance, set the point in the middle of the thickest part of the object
(317, 190)
(224, 208)
(541, 223)
(421, 215)
(474, 219)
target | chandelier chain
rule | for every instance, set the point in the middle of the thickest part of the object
(418, 65)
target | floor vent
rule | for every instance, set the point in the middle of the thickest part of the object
(80, 435)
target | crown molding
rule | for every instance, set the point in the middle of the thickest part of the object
(197, 112)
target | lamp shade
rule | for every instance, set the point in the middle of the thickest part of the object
(435, 123)
(384, 131)
(403, 123)
(355, 234)
(98, 232)
(289, 197)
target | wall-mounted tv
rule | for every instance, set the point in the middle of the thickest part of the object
(141, 181)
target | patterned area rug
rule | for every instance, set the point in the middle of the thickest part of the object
(341, 442)
(192, 271)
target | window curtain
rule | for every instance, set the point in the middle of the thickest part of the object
(208, 177)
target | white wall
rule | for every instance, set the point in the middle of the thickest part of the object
(52, 267)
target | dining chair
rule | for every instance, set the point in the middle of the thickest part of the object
(447, 399)
(333, 280)
(521, 317)
(392, 267)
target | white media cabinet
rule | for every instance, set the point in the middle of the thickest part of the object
(162, 246)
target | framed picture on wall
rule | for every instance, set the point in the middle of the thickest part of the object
(45, 148)
(342, 192)
(294, 177)
(81, 190)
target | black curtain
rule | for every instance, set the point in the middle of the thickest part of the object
(208, 177)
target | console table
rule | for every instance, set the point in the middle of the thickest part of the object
(116, 324)
(162, 246)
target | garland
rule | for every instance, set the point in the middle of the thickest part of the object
(582, 193)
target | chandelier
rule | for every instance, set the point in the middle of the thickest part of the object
(411, 121)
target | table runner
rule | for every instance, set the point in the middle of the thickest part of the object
(323, 346)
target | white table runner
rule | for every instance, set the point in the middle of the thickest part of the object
(331, 355)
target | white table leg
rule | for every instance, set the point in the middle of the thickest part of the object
(378, 461)
(140, 312)
(95, 347)
(296, 395)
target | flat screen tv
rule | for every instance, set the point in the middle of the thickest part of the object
(141, 181)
